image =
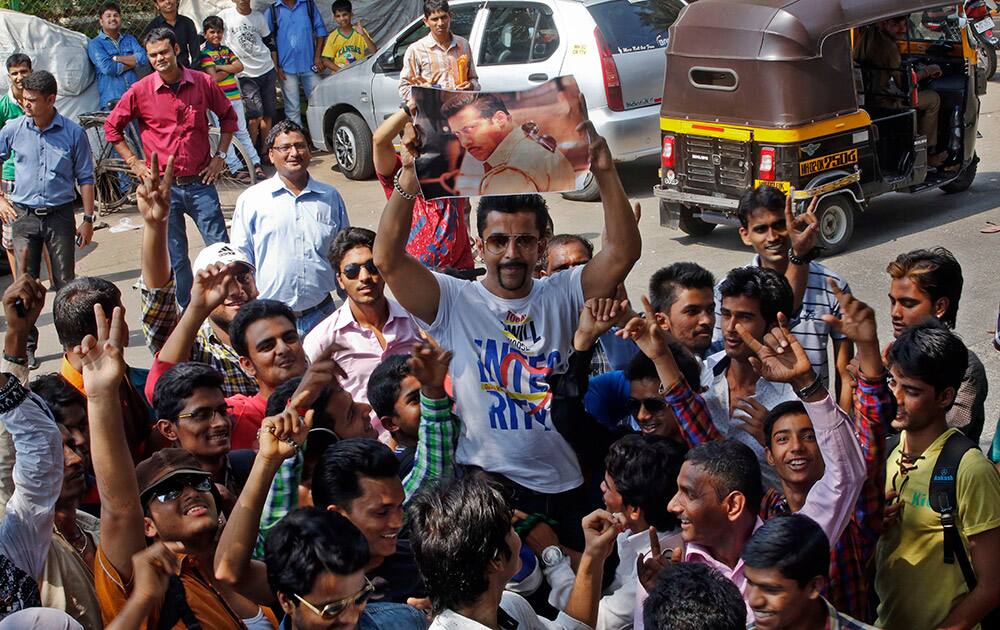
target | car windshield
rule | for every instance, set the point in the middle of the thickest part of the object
(635, 26)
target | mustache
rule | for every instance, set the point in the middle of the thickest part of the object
(512, 265)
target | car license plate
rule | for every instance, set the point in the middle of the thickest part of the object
(984, 25)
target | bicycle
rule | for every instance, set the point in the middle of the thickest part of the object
(115, 183)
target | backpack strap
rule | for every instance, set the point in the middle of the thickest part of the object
(943, 499)
(274, 19)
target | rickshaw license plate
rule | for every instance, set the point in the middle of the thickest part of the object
(828, 162)
(983, 25)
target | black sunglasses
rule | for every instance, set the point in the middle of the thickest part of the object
(172, 489)
(353, 270)
(652, 405)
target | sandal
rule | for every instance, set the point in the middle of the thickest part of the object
(259, 172)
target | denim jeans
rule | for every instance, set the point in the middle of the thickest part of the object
(290, 90)
(391, 616)
(201, 203)
(243, 137)
(307, 322)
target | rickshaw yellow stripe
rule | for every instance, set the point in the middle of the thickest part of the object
(840, 124)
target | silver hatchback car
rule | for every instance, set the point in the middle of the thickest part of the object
(614, 49)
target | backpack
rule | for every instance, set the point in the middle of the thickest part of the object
(943, 498)
(310, 7)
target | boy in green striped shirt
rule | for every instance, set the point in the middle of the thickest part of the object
(18, 67)
(220, 63)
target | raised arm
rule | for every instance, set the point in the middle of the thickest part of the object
(383, 151)
(210, 288)
(802, 234)
(153, 199)
(600, 528)
(623, 244)
(122, 521)
(280, 437)
(413, 285)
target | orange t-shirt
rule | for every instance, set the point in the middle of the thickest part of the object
(205, 602)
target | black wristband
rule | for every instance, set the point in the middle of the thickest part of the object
(15, 360)
(12, 394)
(810, 389)
(795, 260)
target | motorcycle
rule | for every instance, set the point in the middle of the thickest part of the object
(982, 27)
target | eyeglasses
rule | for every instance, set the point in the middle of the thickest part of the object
(652, 405)
(285, 149)
(172, 489)
(496, 244)
(335, 608)
(353, 270)
(205, 414)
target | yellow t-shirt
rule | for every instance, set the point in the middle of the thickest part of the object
(916, 588)
(345, 50)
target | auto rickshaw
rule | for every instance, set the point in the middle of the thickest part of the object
(768, 92)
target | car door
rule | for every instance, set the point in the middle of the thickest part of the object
(385, 83)
(520, 46)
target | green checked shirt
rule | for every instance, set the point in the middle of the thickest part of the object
(9, 110)
(435, 459)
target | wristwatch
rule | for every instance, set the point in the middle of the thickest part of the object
(88, 218)
(220, 154)
(552, 555)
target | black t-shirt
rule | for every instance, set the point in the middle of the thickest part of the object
(187, 35)
(398, 577)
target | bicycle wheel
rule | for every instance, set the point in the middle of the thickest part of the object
(229, 184)
(114, 182)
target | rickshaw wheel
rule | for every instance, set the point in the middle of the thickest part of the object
(692, 225)
(835, 218)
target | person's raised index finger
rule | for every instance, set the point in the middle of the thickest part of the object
(748, 339)
(647, 308)
(835, 289)
(298, 398)
(103, 325)
(654, 543)
(116, 333)
(168, 174)
(154, 170)
(788, 205)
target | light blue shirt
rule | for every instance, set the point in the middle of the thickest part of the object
(296, 36)
(48, 163)
(114, 78)
(287, 238)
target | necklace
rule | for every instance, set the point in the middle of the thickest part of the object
(82, 534)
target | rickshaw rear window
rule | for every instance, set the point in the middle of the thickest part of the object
(714, 78)
(935, 25)
(635, 26)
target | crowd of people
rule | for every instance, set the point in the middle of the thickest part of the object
(532, 449)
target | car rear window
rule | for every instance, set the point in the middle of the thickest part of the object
(635, 26)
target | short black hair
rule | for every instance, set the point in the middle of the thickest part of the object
(666, 283)
(213, 22)
(178, 383)
(285, 126)
(41, 81)
(18, 59)
(384, 383)
(108, 6)
(644, 469)
(279, 398)
(792, 543)
(433, 6)
(769, 287)
(336, 480)
(733, 466)
(73, 308)
(346, 240)
(158, 35)
(307, 543)
(341, 5)
(457, 527)
(253, 311)
(778, 412)
(692, 596)
(560, 240)
(932, 353)
(486, 104)
(58, 394)
(641, 367)
(767, 197)
(512, 204)
(936, 273)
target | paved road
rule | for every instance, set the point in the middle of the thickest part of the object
(893, 224)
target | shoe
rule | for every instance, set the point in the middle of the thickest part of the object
(32, 360)
(259, 172)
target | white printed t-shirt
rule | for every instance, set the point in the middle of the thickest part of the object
(503, 352)
(245, 37)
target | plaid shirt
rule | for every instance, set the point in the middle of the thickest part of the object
(435, 459)
(160, 314)
(692, 415)
(850, 588)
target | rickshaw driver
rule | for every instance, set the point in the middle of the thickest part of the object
(876, 48)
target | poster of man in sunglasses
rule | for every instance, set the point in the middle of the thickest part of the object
(501, 143)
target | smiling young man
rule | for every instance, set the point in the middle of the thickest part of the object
(286, 226)
(115, 55)
(509, 331)
(926, 364)
(369, 326)
(926, 284)
(786, 563)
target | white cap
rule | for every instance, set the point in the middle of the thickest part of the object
(220, 253)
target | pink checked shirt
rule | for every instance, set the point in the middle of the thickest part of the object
(362, 349)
